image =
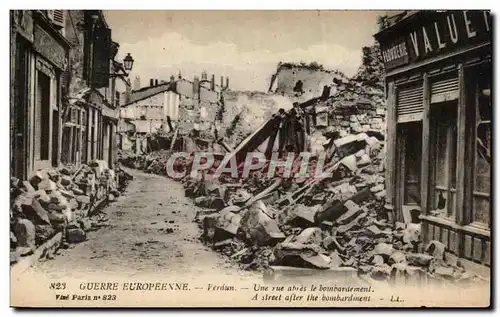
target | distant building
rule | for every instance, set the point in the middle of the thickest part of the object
(302, 82)
(162, 107)
(137, 83)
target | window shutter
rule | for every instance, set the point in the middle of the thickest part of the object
(444, 89)
(410, 105)
(101, 65)
(58, 17)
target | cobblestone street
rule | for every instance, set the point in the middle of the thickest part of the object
(139, 239)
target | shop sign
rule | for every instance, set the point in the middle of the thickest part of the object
(440, 32)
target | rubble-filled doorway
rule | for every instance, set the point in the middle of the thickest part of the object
(408, 171)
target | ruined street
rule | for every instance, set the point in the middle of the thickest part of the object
(151, 230)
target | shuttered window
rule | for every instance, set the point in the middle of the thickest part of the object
(444, 89)
(410, 103)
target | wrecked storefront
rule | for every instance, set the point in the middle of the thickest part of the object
(438, 88)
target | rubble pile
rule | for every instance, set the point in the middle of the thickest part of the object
(60, 200)
(320, 224)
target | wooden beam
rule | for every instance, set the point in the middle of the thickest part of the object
(391, 143)
(461, 141)
(425, 181)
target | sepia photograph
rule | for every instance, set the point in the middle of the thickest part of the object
(242, 158)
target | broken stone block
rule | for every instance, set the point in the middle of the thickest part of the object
(78, 191)
(377, 260)
(56, 217)
(14, 257)
(363, 160)
(383, 249)
(375, 232)
(47, 185)
(65, 171)
(229, 221)
(349, 162)
(350, 144)
(111, 197)
(353, 210)
(336, 260)
(360, 153)
(36, 178)
(25, 233)
(397, 257)
(36, 212)
(319, 261)
(66, 180)
(56, 207)
(351, 225)
(83, 199)
(24, 251)
(303, 216)
(411, 233)
(85, 224)
(446, 272)
(28, 187)
(241, 196)
(380, 195)
(201, 201)
(43, 232)
(419, 259)
(75, 235)
(210, 225)
(311, 235)
(13, 240)
(259, 227)
(377, 188)
(436, 249)
(301, 255)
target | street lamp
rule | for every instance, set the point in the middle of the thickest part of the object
(128, 62)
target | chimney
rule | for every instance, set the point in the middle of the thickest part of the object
(212, 83)
(221, 82)
(172, 82)
(196, 84)
(156, 82)
(204, 75)
(227, 82)
(151, 82)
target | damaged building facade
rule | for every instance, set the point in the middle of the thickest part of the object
(177, 106)
(63, 87)
(438, 89)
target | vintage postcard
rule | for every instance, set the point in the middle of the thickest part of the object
(250, 158)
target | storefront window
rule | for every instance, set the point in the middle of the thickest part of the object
(444, 134)
(482, 157)
(412, 163)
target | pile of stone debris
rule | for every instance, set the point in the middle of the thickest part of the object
(327, 224)
(330, 223)
(63, 200)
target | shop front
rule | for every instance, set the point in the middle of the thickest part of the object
(438, 89)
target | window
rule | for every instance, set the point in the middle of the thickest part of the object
(42, 115)
(412, 132)
(482, 153)
(117, 99)
(444, 157)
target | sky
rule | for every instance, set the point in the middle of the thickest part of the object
(245, 46)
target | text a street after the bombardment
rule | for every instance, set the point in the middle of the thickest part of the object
(339, 174)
